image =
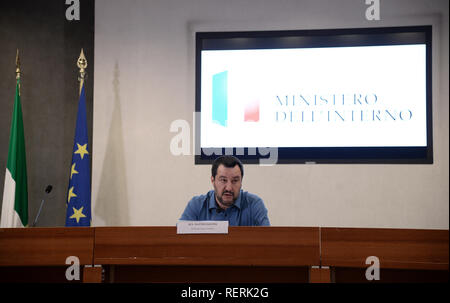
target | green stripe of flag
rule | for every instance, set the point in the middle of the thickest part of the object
(17, 167)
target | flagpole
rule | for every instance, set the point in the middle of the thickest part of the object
(82, 64)
(18, 68)
(78, 211)
(15, 191)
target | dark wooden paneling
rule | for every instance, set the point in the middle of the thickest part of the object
(205, 274)
(245, 255)
(395, 248)
(246, 246)
(45, 246)
(319, 275)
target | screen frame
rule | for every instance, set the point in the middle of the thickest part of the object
(320, 38)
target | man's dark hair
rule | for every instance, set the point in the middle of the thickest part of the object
(227, 161)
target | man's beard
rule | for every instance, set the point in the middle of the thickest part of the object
(220, 198)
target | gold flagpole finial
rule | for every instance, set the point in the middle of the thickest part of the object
(17, 65)
(82, 64)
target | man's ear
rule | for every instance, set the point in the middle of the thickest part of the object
(212, 179)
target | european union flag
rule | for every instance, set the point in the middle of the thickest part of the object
(79, 193)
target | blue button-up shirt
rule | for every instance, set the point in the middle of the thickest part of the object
(247, 210)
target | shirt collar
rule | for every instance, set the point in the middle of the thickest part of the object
(212, 201)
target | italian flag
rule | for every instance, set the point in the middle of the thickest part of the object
(15, 192)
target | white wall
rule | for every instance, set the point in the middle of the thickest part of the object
(144, 80)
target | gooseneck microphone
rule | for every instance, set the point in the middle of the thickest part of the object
(48, 189)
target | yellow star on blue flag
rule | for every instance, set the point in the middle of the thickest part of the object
(79, 191)
(77, 214)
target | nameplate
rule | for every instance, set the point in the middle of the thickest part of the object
(202, 227)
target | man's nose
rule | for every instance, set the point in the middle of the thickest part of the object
(228, 186)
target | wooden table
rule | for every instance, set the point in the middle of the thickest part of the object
(245, 254)
(404, 255)
(39, 254)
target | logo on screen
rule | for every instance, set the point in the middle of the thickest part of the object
(220, 98)
(251, 113)
(220, 102)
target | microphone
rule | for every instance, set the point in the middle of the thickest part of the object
(48, 189)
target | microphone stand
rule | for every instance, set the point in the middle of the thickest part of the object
(39, 212)
(47, 191)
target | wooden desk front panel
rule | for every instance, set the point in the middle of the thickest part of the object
(242, 246)
(395, 248)
(205, 274)
(45, 246)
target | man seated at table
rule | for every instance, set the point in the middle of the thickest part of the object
(227, 202)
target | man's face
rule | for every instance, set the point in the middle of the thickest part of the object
(227, 185)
